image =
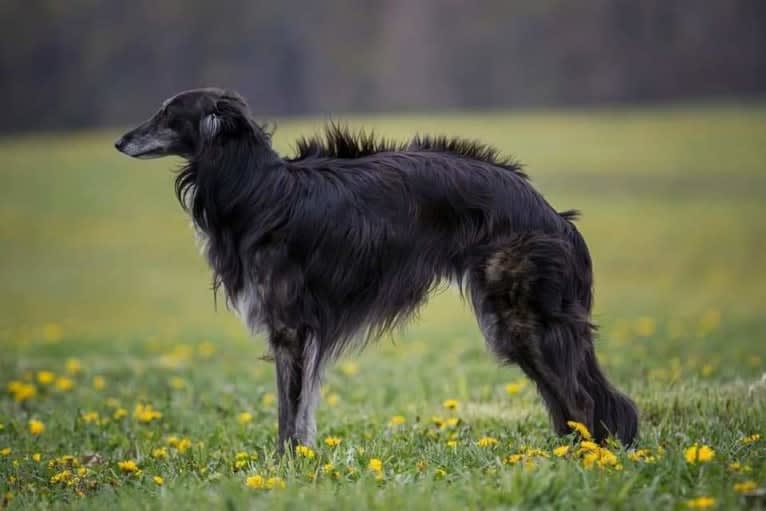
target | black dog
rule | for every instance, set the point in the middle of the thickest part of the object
(345, 240)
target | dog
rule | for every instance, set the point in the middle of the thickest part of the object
(345, 240)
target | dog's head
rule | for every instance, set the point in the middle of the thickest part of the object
(186, 123)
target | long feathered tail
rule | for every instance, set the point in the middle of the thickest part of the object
(613, 412)
(539, 297)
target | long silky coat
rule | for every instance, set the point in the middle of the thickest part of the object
(345, 240)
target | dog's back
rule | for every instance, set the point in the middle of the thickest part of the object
(373, 234)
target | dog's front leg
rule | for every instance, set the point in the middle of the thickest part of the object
(305, 422)
(287, 358)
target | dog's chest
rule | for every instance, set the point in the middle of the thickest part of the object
(248, 303)
(248, 306)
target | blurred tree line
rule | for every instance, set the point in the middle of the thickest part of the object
(77, 63)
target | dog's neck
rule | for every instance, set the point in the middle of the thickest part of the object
(231, 189)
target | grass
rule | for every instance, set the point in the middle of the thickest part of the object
(102, 286)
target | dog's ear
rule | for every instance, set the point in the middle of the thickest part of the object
(210, 126)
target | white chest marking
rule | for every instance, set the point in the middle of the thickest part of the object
(247, 305)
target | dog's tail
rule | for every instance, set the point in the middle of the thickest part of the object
(613, 412)
(540, 292)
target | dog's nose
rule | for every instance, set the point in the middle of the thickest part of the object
(119, 144)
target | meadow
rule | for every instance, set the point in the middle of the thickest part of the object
(123, 385)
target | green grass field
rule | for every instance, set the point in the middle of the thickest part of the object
(106, 311)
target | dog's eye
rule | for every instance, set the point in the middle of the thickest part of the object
(176, 124)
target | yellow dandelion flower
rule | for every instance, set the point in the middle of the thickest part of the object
(145, 413)
(645, 326)
(244, 418)
(487, 441)
(515, 387)
(739, 467)
(21, 391)
(158, 480)
(36, 457)
(268, 399)
(700, 503)
(581, 429)
(64, 384)
(305, 451)
(61, 477)
(745, 486)
(6, 451)
(593, 455)
(561, 451)
(332, 441)
(643, 455)
(45, 377)
(128, 466)
(73, 366)
(160, 453)
(119, 413)
(450, 404)
(99, 382)
(699, 453)
(275, 483)
(397, 420)
(52, 332)
(328, 468)
(750, 439)
(177, 382)
(183, 445)
(440, 473)
(375, 465)
(587, 445)
(451, 422)
(66, 460)
(332, 399)
(256, 482)
(89, 417)
(607, 458)
(589, 459)
(349, 368)
(710, 321)
(206, 349)
(452, 443)
(512, 459)
(535, 452)
(36, 427)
